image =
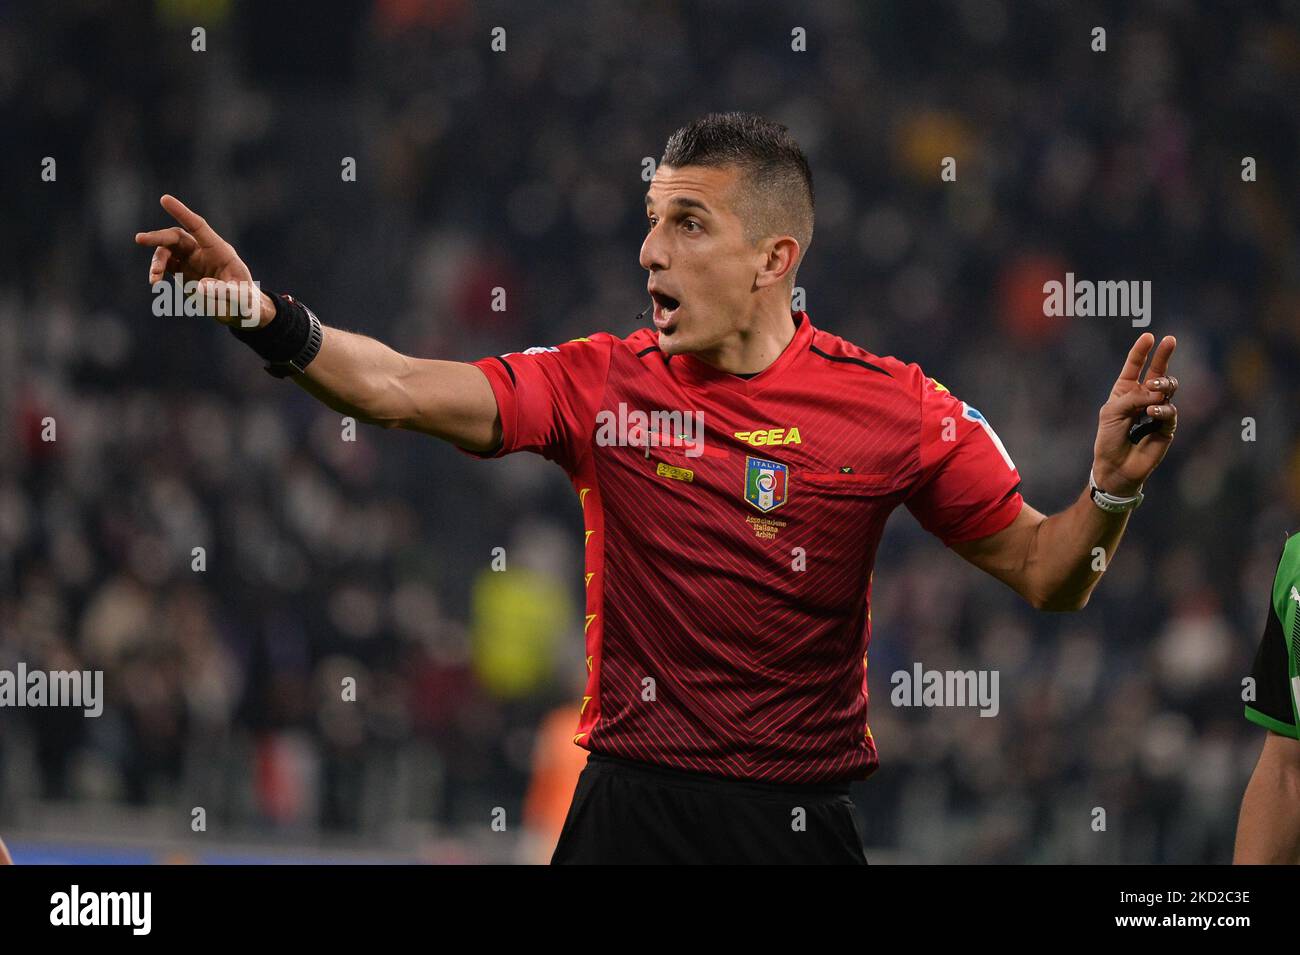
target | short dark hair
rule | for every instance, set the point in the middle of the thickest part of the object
(776, 187)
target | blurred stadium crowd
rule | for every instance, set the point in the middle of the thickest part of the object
(327, 558)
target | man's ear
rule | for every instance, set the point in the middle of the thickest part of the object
(780, 256)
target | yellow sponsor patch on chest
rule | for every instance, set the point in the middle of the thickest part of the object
(674, 473)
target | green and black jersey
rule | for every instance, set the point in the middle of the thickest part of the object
(1277, 680)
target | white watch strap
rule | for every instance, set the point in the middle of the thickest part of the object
(1109, 502)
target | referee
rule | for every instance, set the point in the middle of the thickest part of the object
(735, 466)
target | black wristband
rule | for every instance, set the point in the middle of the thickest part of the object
(289, 341)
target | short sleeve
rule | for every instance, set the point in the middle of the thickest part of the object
(1274, 706)
(967, 486)
(547, 397)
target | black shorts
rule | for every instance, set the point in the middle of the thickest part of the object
(626, 812)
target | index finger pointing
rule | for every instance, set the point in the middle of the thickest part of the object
(191, 221)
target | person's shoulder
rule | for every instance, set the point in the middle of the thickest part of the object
(1285, 592)
(638, 341)
(637, 344)
(603, 342)
(838, 352)
(1288, 563)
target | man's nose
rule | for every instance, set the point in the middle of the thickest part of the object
(653, 254)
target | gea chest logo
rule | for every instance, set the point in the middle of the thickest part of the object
(769, 437)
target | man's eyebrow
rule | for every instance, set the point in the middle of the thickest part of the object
(683, 202)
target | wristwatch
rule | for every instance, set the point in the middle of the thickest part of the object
(299, 362)
(1109, 502)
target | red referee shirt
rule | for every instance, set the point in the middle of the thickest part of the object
(728, 583)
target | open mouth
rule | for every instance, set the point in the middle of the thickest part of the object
(665, 305)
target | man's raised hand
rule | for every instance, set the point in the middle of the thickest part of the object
(1120, 466)
(201, 256)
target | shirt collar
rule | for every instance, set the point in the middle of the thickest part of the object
(698, 372)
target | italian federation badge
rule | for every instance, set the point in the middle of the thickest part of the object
(767, 484)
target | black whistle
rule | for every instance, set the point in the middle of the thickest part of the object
(1141, 427)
